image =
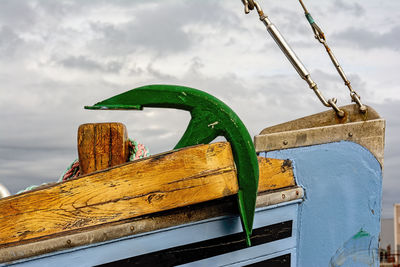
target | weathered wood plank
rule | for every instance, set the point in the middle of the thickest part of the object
(101, 145)
(275, 174)
(162, 182)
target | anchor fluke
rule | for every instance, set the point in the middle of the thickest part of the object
(210, 118)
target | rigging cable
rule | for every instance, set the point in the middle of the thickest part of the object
(290, 54)
(320, 36)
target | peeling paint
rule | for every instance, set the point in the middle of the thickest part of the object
(359, 250)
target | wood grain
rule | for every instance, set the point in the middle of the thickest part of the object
(162, 182)
(101, 146)
(275, 174)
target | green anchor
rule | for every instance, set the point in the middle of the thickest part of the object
(210, 118)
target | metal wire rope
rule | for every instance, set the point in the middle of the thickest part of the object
(320, 36)
(295, 61)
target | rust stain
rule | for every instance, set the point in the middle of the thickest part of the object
(342, 120)
(286, 165)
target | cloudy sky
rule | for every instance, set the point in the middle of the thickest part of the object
(57, 56)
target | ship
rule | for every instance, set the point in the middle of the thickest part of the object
(306, 192)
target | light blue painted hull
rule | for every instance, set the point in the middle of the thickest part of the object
(343, 192)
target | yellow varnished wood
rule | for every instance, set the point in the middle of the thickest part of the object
(159, 183)
(275, 174)
(162, 182)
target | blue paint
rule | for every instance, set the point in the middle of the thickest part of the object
(343, 192)
(180, 235)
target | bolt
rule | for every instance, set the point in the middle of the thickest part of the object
(132, 228)
(69, 242)
(285, 142)
(297, 193)
(350, 134)
(283, 196)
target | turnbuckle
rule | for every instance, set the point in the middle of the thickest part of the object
(248, 5)
(320, 36)
(291, 56)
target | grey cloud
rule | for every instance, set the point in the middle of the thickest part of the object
(157, 74)
(162, 29)
(9, 42)
(329, 81)
(196, 65)
(129, 37)
(81, 62)
(290, 21)
(28, 164)
(113, 66)
(85, 63)
(267, 95)
(367, 39)
(150, 132)
(354, 8)
(17, 14)
(61, 9)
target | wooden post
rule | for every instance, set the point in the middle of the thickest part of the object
(102, 145)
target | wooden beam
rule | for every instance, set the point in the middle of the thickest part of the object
(158, 183)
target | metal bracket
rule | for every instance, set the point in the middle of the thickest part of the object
(210, 118)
